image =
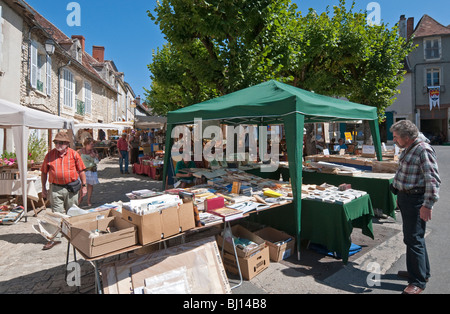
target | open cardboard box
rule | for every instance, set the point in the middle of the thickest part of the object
(67, 223)
(122, 235)
(241, 232)
(159, 225)
(281, 245)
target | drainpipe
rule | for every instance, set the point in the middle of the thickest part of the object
(59, 86)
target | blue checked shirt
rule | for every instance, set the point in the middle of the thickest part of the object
(418, 168)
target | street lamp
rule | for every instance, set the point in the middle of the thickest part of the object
(50, 47)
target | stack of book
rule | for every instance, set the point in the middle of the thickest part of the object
(246, 190)
(9, 216)
(142, 194)
(207, 219)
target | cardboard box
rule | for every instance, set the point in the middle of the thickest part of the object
(67, 223)
(123, 236)
(281, 245)
(241, 232)
(250, 266)
(186, 216)
(156, 226)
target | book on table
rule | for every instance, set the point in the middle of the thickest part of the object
(249, 206)
(227, 213)
(207, 219)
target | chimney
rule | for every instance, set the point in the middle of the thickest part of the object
(409, 27)
(98, 52)
(81, 39)
(402, 26)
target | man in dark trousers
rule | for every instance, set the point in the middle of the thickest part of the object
(417, 184)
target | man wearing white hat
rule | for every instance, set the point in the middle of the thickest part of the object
(64, 169)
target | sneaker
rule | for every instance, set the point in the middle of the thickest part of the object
(121, 172)
(379, 213)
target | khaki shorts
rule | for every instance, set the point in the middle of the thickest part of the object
(61, 200)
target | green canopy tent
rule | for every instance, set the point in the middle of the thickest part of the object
(273, 102)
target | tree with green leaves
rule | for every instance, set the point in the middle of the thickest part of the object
(216, 47)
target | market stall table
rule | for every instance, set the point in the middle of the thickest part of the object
(94, 261)
(324, 223)
(14, 188)
(375, 184)
(148, 170)
(104, 151)
(332, 224)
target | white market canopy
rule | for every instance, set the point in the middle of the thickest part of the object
(12, 115)
(20, 119)
(104, 126)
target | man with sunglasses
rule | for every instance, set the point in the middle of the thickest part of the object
(64, 169)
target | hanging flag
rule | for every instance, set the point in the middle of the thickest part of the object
(434, 93)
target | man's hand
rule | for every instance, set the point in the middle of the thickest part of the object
(44, 193)
(83, 191)
(425, 213)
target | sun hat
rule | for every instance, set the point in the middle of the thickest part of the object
(62, 136)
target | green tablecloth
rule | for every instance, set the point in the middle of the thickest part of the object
(331, 224)
(275, 175)
(323, 223)
(378, 189)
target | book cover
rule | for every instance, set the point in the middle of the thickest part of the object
(227, 213)
(214, 203)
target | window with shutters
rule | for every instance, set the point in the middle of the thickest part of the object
(68, 88)
(33, 64)
(40, 69)
(88, 97)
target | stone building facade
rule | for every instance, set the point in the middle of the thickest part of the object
(68, 82)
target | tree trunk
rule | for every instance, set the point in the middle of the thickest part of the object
(309, 140)
(368, 138)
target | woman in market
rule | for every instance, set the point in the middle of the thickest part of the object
(90, 158)
(134, 144)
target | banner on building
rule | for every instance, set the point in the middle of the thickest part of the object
(434, 93)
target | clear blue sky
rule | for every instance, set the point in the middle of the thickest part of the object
(129, 35)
